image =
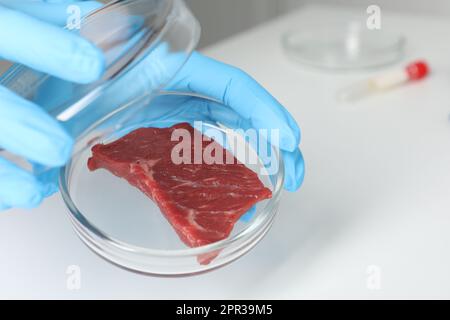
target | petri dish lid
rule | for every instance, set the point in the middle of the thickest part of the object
(144, 42)
(343, 45)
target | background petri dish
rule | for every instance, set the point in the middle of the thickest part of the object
(343, 46)
(121, 224)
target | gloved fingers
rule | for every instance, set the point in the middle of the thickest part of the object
(294, 167)
(48, 177)
(18, 188)
(240, 92)
(48, 48)
(56, 12)
(167, 110)
(248, 215)
(226, 116)
(27, 131)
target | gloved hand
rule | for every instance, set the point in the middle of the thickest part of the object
(253, 107)
(248, 105)
(26, 130)
(243, 104)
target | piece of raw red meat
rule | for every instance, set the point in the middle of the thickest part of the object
(201, 201)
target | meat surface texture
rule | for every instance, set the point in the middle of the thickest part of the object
(201, 201)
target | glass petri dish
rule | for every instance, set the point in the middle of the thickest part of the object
(343, 46)
(145, 43)
(122, 225)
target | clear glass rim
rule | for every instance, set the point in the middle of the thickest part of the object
(64, 111)
(143, 52)
(396, 46)
(95, 235)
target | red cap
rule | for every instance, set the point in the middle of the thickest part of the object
(417, 70)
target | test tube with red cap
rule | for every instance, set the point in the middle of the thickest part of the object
(412, 72)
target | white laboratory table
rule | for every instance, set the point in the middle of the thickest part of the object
(372, 219)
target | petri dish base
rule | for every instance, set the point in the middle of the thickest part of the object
(122, 225)
(145, 43)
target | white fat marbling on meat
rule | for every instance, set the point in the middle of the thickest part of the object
(191, 218)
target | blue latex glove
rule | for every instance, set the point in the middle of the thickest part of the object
(25, 129)
(241, 104)
(248, 105)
